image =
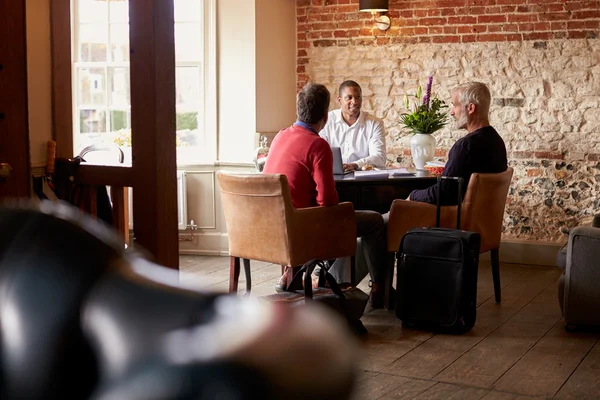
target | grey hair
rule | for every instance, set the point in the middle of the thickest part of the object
(476, 93)
(312, 103)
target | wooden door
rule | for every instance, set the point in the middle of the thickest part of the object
(14, 127)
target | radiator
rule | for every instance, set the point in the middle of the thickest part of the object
(181, 203)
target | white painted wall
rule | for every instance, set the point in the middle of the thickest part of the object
(275, 64)
(236, 79)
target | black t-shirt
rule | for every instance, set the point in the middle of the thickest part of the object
(480, 151)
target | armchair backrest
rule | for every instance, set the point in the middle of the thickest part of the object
(484, 204)
(257, 208)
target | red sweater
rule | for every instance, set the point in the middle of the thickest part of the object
(306, 160)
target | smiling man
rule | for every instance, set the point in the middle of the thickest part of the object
(481, 150)
(360, 135)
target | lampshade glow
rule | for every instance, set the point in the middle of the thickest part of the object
(373, 5)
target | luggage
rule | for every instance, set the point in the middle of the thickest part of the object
(437, 275)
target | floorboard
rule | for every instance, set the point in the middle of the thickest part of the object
(518, 350)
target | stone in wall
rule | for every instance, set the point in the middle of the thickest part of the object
(546, 106)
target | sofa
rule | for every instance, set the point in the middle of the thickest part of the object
(578, 293)
(83, 317)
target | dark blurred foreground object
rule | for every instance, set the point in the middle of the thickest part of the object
(83, 318)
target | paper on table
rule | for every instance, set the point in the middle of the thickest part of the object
(401, 172)
(373, 174)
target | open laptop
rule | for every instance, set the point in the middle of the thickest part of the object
(338, 165)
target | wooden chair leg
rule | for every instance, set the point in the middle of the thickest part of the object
(495, 256)
(234, 273)
(389, 284)
(353, 271)
(248, 276)
(298, 285)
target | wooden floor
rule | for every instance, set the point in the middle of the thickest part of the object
(517, 350)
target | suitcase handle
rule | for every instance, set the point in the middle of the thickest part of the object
(438, 209)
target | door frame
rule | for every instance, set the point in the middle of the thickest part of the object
(14, 105)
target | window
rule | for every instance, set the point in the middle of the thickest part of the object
(101, 100)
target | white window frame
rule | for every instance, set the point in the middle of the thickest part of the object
(206, 151)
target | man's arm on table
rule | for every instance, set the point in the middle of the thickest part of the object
(457, 165)
(377, 147)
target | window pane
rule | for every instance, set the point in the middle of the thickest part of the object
(187, 120)
(119, 42)
(119, 88)
(118, 120)
(91, 87)
(92, 121)
(92, 11)
(119, 11)
(188, 10)
(92, 42)
(188, 42)
(188, 87)
(187, 129)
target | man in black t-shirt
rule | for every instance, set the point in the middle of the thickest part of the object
(481, 150)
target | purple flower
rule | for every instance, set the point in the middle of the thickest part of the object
(428, 93)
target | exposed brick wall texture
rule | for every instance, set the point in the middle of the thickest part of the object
(540, 58)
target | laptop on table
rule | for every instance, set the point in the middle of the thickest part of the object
(338, 164)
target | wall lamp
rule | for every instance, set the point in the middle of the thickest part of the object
(376, 6)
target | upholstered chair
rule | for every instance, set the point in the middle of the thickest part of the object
(579, 259)
(482, 211)
(263, 225)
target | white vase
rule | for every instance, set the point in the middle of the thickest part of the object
(422, 148)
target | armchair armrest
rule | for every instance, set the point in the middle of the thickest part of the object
(582, 275)
(596, 221)
(323, 232)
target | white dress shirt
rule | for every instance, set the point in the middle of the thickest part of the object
(362, 143)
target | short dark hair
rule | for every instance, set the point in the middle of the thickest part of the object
(312, 103)
(347, 84)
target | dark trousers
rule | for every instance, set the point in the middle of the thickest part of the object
(371, 252)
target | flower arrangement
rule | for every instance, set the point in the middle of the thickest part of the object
(427, 117)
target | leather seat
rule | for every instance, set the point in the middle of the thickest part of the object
(482, 211)
(82, 317)
(263, 225)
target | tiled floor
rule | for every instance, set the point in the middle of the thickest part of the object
(517, 350)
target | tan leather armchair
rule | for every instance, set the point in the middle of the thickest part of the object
(263, 225)
(482, 211)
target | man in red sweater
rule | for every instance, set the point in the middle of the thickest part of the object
(306, 160)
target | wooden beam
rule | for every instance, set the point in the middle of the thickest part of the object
(104, 175)
(120, 210)
(14, 119)
(62, 99)
(152, 74)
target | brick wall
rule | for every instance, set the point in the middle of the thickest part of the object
(323, 23)
(540, 58)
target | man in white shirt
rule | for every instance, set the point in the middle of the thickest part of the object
(360, 135)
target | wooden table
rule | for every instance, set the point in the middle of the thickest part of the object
(377, 194)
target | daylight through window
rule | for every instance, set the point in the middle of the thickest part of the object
(101, 100)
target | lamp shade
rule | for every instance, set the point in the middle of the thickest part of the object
(373, 5)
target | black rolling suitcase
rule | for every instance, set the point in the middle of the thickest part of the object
(437, 275)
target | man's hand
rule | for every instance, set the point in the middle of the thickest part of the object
(408, 198)
(350, 167)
